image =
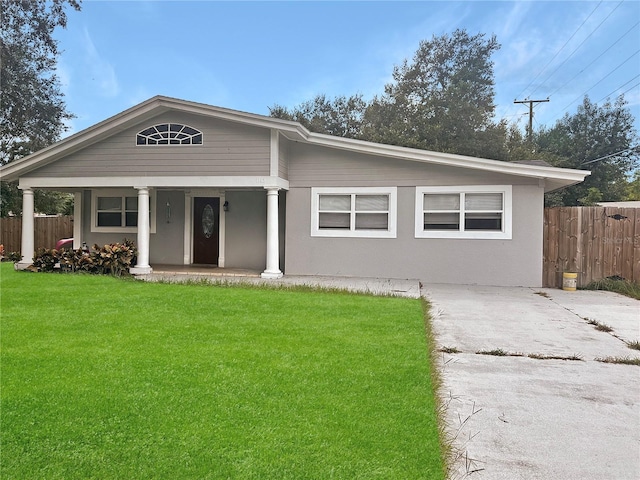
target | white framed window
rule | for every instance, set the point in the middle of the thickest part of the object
(472, 211)
(368, 212)
(116, 211)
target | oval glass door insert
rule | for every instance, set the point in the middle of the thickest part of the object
(208, 221)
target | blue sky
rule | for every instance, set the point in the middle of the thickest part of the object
(252, 55)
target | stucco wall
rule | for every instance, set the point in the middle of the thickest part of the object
(314, 166)
(246, 229)
(465, 261)
(165, 245)
(245, 225)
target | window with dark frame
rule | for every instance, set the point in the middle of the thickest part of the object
(121, 211)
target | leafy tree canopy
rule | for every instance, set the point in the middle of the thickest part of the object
(443, 100)
(341, 116)
(32, 110)
(601, 139)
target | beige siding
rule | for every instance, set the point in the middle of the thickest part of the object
(283, 158)
(316, 166)
(228, 149)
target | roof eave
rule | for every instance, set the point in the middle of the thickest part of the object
(558, 177)
(554, 177)
(147, 109)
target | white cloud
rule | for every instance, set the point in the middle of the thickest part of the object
(100, 72)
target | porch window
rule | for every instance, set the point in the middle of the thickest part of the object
(169, 134)
(118, 212)
(477, 211)
(354, 212)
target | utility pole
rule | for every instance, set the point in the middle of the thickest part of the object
(530, 102)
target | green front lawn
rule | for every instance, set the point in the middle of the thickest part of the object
(105, 378)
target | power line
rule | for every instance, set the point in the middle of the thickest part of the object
(610, 155)
(630, 88)
(623, 85)
(578, 47)
(561, 48)
(599, 81)
(595, 59)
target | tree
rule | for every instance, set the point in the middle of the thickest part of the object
(601, 139)
(32, 110)
(341, 116)
(442, 100)
(632, 192)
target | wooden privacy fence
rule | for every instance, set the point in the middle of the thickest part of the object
(48, 230)
(594, 242)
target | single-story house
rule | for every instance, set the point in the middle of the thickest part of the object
(195, 184)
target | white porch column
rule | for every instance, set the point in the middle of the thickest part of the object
(28, 230)
(273, 244)
(77, 220)
(142, 266)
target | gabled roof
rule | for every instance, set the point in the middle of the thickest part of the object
(554, 177)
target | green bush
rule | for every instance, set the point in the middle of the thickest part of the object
(13, 257)
(618, 285)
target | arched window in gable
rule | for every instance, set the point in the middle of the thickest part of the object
(169, 134)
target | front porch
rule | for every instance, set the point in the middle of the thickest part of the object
(239, 236)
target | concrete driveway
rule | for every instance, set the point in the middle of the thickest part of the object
(517, 417)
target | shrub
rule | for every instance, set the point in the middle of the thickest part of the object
(45, 260)
(114, 259)
(618, 285)
(14, 257)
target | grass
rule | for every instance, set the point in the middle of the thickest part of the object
(106, 378)
(446, 349)
(620, 360)
(498, 352)
(624, 287)
(634, 345)
(601, 327)
(540, 356)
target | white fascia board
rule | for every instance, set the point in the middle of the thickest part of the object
(139, 113)
(284, 126)
(154, 182)
(565, 175)
(80, 140)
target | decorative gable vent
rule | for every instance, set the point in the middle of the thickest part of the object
(169, 134)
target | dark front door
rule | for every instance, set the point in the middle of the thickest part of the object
(206, 220)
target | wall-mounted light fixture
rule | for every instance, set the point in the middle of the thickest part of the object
(225, 206)
(168, 213)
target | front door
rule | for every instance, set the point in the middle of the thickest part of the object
(206, 221)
